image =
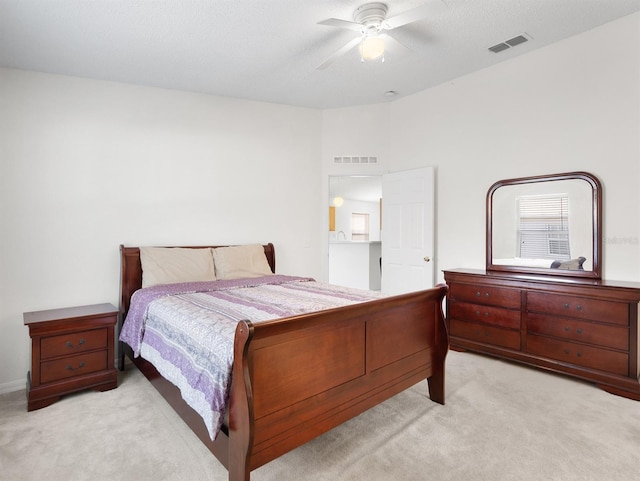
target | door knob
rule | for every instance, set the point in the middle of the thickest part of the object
(427, 258)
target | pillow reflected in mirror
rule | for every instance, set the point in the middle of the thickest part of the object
(572, 265)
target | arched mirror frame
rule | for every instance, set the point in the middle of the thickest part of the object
(596, 197)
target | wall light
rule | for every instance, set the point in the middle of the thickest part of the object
(338, 201)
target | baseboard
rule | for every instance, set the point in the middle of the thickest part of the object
(12, 386)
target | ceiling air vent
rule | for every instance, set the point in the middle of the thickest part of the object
(516, 40)
(512, 42)
(354, 159)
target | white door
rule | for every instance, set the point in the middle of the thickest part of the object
(407, 230)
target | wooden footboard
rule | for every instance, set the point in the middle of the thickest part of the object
(299, 377)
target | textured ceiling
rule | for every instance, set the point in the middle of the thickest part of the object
(268, 50)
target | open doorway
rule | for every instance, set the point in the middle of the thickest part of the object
(355, 231)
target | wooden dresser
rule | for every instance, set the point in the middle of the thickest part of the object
(581, 327)
(71, 349)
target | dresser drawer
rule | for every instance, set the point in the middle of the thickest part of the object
(497, 296)
(73, 343)
(615, 337)
(485, 334)
(580, 307)
(495, 316)
(579, 354)
(73, 366)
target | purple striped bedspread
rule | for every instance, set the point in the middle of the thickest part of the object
(187, 330)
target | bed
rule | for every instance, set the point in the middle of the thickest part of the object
(297, 377)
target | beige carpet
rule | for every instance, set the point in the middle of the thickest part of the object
(501, 422)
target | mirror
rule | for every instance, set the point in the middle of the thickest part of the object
(548, 224)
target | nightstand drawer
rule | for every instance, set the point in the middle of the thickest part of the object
(72, 366)
(73, 343)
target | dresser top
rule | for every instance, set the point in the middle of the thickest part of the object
(550, 280)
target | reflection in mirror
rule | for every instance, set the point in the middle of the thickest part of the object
(546, 224)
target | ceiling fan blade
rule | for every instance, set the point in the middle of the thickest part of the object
(339, 53)
(336, 22)
(394, 47)
(432, 7)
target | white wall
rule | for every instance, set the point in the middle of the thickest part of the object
(574, 105)
(87, 165)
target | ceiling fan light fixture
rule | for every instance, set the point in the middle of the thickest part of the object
(371, 48)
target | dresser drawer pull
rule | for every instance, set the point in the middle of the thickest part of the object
(479, 294)
(70, 344)
(566, 306)
(566, 351)
(578, 330)
(485, 314)
(579, 307)
(70, 368)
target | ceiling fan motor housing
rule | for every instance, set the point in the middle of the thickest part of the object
(371, 16)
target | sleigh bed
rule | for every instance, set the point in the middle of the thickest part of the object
(297, 377)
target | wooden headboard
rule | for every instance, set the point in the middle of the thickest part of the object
(131, 271)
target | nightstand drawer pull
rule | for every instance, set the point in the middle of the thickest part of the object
(70, 344)
(70, 368)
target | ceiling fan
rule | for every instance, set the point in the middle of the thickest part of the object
(371, 21)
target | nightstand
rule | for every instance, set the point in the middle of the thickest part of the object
(71, 349)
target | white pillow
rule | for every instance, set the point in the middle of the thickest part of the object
(237, 262)
(171, 265)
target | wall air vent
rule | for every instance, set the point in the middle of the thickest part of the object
(512, 42)
(355, 159)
